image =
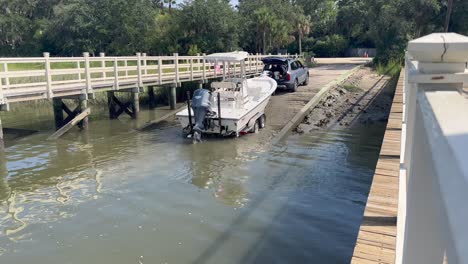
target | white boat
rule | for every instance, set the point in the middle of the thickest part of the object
(237, 105)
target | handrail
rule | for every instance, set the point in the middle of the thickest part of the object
(23, 79)
(432, 213)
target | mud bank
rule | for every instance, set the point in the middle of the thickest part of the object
(364, 98)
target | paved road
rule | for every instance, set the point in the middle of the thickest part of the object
(284, 105)
(351, 60)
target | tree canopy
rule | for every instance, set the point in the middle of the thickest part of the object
(124, 27)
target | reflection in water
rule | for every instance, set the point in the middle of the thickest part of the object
(221, 166)
(114, 195)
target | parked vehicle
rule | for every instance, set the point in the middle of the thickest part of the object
(288, 73)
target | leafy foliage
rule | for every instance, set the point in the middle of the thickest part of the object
(124, 27)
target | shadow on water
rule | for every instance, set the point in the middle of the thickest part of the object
(318, 217)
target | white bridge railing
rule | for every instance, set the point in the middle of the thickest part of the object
(25, 79)
(433, 199)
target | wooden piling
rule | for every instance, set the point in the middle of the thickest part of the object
(151, 98)
(83, 105)
(111, 105)
(64, 129)
(57, 104)
(173, 97)
(135, 102)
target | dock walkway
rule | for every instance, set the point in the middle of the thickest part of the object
(377, 235)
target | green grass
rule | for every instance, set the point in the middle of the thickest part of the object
(352, 88)
(392, 68)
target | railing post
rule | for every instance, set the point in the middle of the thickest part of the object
(102, 55)
(2, 98)
(256, 63)
(176, 62)
(7, 82)
(126, 67)
(432, 215)
(160, 71)
(224, 70)
(191, 69)
(116, 74)
(48, 75)
(78, 66)
(204, 67)
(145, 69)
(89, 88)
(140, 79)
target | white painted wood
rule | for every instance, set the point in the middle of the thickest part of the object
(89, 88)
(191, 69)
(204, 67)
(102, 55)
(116, 74)
(432, 210)
(140, 77)
(176, 68)
(78, 66)
(7, 80)
(48, 75)
(145, 65)
(78, 78)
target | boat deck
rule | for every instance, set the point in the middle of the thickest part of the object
(376, 241)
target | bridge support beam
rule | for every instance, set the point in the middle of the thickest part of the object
(117, 107)
(172, 97)
(60, 108)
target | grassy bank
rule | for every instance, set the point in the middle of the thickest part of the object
(391, 68)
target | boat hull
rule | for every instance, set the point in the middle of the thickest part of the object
(237, 120)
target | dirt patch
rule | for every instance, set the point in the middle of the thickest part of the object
(364, 98)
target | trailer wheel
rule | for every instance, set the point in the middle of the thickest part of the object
(255, 128)
(262, 121)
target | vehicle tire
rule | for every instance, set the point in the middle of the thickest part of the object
(306, 82)
(255, 128)
(262, 121)
(295, 85)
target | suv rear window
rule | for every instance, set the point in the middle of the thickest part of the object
(275, 67)
(294, 65)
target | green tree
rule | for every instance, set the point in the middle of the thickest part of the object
(263, 28)
(303, 26)
(211, 25)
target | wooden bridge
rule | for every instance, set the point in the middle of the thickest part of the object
(58, 78)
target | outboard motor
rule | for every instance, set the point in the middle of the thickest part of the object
(201, 105)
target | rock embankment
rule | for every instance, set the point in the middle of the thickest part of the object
(365, 98)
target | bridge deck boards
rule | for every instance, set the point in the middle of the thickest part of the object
(377, 234)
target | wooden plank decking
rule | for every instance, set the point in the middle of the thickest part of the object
(377, 235)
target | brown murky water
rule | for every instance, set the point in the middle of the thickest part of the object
(117, 195)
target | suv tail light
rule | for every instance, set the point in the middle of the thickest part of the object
(288, 77)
